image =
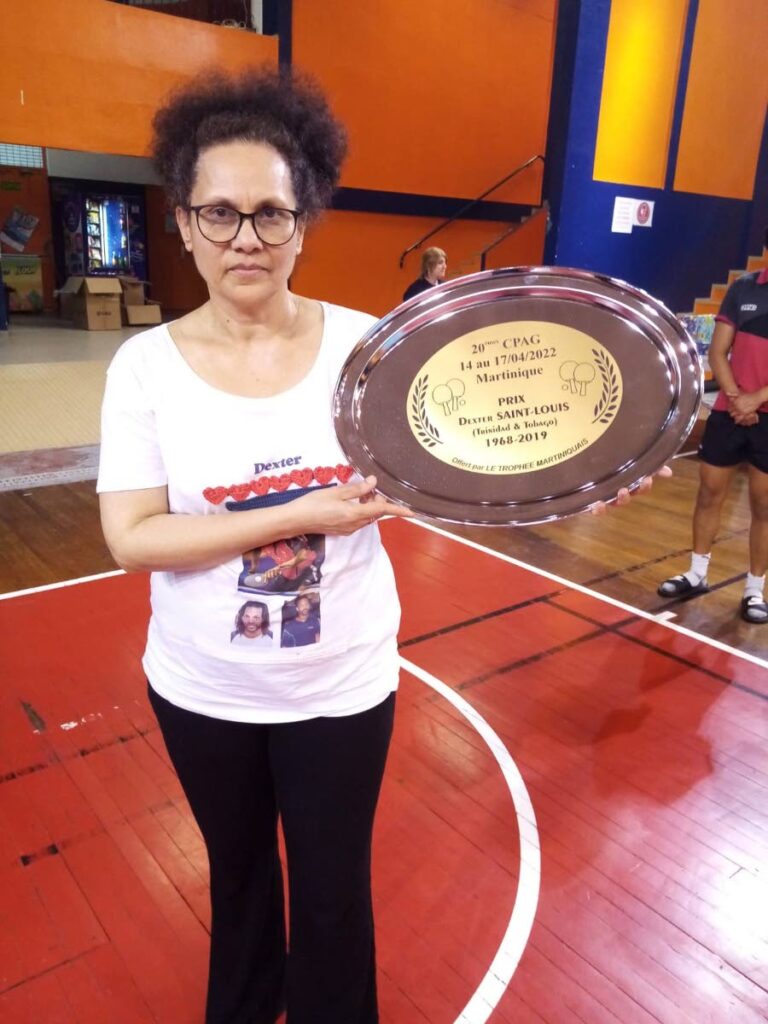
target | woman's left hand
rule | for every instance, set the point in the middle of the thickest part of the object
(625, 495)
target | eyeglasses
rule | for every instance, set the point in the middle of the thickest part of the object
(272, 225)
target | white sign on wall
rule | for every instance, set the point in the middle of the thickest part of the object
(631, 213)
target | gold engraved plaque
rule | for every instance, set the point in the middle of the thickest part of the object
(518, 395)
(514, 398)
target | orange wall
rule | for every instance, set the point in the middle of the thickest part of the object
(523, 248)
(726, 100)
(32, 197)
(88, 74)
(352, 258)
(642, 62)
(174, 279)
(439, 98)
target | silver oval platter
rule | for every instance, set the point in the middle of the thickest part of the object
(518, 395)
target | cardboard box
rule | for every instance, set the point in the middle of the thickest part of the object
(133, 290)
(92, 303)
(66, 304)
(148, 313)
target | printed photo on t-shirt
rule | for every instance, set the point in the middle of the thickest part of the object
(284, 566)
(301, 621)
(252, 626)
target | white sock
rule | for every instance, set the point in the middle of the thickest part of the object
(699, 567)
(753, 586)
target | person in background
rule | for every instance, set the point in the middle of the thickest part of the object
(736, 432)
(434, 264)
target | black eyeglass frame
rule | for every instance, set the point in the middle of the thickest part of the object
(245, 216)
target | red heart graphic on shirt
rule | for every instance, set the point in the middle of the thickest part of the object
(260, 486)
(343, 473)
(240, 491)
(324, 475)
(282, 482)
(215, 494)
(272, 482)
(302, 477)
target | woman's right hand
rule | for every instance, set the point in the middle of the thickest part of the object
(346, 508)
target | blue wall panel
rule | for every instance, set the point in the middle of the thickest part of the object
(695, 240)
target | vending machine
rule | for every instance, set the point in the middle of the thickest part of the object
(107, 240)
(98, 228)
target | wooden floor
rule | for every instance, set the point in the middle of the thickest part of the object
(52, 533)
(572, 783)
(626, 553)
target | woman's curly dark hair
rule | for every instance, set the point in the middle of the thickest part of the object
(284, 110)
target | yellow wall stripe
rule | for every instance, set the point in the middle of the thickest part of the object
(642, 61)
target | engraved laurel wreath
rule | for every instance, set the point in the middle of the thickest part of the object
(424, 429)
(606, 407)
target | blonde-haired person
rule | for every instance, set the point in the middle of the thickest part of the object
(434, 264)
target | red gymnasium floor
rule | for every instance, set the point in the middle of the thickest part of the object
(572, 786)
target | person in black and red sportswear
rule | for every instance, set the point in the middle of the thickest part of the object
(736, 432)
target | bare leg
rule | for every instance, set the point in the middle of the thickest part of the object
(714, 482)
(758, 531)
(753, 606)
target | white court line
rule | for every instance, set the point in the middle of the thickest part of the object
(515, 938)
(503, 966)
(64, 583)
(717, 644)
(665, 616)
(659, 620)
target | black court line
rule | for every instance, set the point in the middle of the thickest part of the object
(718, 676)
(617, 628)
(600, 629)
(54, 758)
(630, 620)
(64, 844)
(28, 769)
(463, 623)
(530, 659)
(618, 573)
(592, 582)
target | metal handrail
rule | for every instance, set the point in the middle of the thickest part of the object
(469, 205)
(226, 13)
(544, 208)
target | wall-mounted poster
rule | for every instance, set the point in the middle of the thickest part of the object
(18, 228)
(23, 276)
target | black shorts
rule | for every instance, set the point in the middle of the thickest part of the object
(725, 443)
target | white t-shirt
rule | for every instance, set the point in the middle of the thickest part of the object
(162, 425)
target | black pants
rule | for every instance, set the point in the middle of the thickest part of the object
(322, 776)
